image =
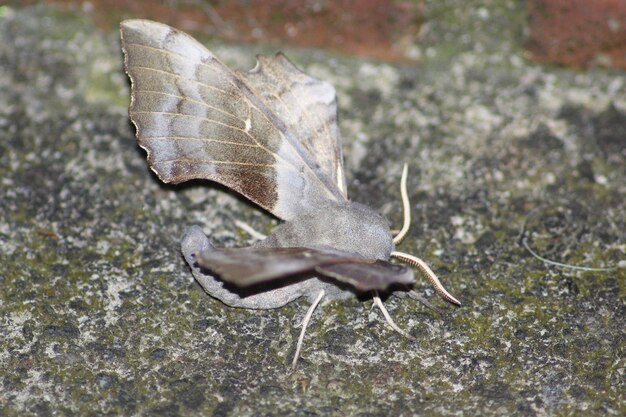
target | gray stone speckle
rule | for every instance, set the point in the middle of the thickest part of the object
(99, 313)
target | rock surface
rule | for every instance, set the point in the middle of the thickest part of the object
(100, 315)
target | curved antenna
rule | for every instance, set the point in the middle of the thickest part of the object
(406, 207)
(430, 275)
(410, 259)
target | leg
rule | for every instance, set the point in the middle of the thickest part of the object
(249, 230)
(305, 323)
(417, 297)
(378, 302)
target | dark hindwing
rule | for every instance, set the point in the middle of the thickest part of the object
(198, 119)
(378, 275)
(250, 266)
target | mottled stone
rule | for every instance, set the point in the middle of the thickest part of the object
(99, 313)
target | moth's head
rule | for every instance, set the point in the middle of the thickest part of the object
(346, 226)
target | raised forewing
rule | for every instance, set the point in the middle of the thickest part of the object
(198, 119)
(308, 107)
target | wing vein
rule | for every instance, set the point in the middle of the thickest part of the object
(209, 161)
(202, 103)
(234, 81)
(201, 63)
(292, 141)
(193, 116)
(256, 142)
(226, 142)
(173, 74)
(288, 85)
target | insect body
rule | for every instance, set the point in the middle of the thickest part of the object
(271, 135)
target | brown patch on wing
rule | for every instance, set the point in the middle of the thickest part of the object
(197, 119)
(307, 106)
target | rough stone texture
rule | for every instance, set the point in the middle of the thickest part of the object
(99, 314)
(578, 33)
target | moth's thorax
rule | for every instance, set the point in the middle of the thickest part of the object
(343, 225)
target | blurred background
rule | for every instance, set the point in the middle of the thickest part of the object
(512, 117)
(575, 33)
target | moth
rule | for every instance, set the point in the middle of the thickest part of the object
(271, 135)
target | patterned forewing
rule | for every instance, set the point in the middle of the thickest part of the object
(308, 106)
(196, 119)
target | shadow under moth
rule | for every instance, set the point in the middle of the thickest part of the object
(271, 135)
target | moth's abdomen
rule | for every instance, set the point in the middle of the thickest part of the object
(345, 226)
